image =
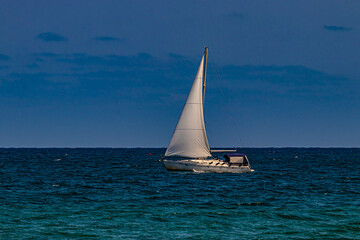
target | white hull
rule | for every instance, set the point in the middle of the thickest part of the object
(197, 165)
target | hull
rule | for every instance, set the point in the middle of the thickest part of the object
(197, 165)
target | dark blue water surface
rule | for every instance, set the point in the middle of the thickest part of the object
(127, 194)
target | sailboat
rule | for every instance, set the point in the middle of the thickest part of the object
(189, 149)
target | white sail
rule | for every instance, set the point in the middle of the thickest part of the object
(189, 139)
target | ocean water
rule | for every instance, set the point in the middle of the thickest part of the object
(294, 193)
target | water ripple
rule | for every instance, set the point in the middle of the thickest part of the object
(127, 194)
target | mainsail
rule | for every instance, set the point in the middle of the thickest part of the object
(189, 139)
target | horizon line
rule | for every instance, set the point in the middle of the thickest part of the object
(227, 148)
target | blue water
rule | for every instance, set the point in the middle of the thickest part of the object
(128, 194)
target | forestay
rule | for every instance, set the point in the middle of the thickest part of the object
(189, 139)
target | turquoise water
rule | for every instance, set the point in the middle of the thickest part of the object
(128, 194)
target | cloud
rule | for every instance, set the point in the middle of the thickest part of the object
(46, 54)
(281, 79)
(51, 37)
(108, 39)
(4, 57)
(336, 28)
(106, 76)
(41, 57)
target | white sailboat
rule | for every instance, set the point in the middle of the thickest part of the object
(189, 149)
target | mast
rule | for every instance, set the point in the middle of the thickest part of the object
(204, 82)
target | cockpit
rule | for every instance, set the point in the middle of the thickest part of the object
(237, 158)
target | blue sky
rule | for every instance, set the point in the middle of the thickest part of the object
(116, 73)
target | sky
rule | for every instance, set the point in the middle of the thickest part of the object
(113, 73)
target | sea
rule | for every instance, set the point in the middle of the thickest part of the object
(126, 193)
